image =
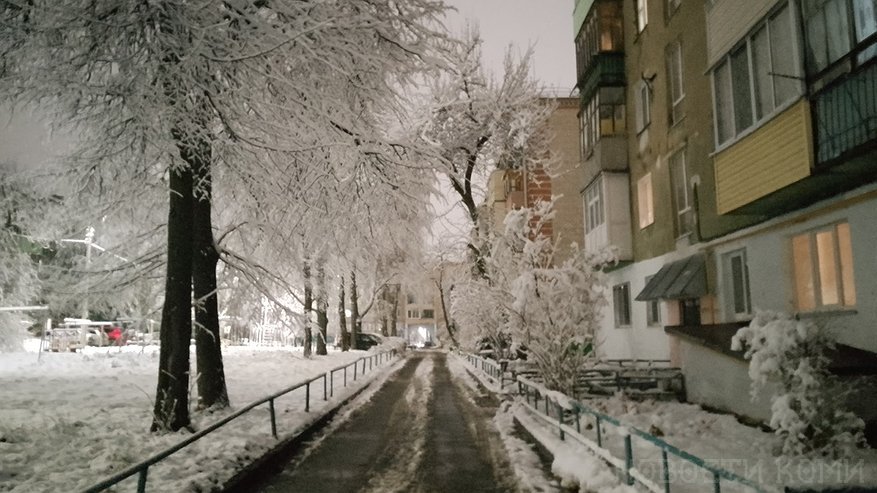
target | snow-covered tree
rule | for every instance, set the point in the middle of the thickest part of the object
(808, 410)
(201, 90)
(553, 310)
(475, 124)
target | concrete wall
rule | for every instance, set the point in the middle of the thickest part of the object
(768, 250)
(638, 341)
(720, 381)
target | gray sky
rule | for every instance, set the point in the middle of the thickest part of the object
(546, 24)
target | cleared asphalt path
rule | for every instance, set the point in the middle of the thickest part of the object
(419, 433)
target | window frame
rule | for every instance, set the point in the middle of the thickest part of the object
(621, 305)
(675, 81)
(745, 45)
(730, 285)
(641, 15)
(845, 286)
(653, 309)
(594, 205)
(643, 99)
(678, 165)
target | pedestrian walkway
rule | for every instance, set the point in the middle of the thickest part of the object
(417, 434)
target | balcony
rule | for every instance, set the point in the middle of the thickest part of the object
(605, 69)
(607, 154)
(845, 118)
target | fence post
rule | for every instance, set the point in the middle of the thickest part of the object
(355, 369)
(273, 419)
(717, 486)
(560, 420)
(578, 422)
(325, 390)
(599, 433)
(332, 383)
(666, 470)
(345, 377)
(308, 397)
(141, 480)
(628, 458)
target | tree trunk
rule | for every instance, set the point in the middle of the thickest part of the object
(309, 306)
(322, 309)
(212, 392)
(393, 315)
(449, 324)
(171, 412)
(355, 323)
(342, 318)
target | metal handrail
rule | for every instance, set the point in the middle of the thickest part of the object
(143, 466)
(630, 473)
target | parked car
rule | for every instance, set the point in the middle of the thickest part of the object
(366, 340)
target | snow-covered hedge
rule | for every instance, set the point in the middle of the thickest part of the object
(807, 412)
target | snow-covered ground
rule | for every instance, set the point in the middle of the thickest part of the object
(72, 419)
(720, 439)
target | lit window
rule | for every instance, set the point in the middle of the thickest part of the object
(642, 15)
(644, 201)
(681, 193)
(674, 78)
(621, 303)
(823, 265)
(594, 205)
(736, 281)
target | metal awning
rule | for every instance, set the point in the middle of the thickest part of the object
(685, 278)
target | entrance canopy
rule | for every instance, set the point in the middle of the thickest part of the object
(685, 278)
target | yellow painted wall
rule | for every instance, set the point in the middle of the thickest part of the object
(773, 157)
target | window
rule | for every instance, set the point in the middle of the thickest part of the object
(643, 99)
(413, 313)
(427, 314)
(594, 205)
(621, 303)
(602, 116)
(642, 15)
(674, 79)
(823, 267)
(644, 201)
(757, 77)
(736, 281)
(653, 310)
(681, 193)
(411, 299)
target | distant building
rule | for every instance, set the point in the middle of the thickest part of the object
(512, 189)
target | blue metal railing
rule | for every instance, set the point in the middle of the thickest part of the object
(557, 414)
(142, 468)
(493, 368)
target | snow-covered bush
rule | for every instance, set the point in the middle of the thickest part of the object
(807, 411)
(550, 308)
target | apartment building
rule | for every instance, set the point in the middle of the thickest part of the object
(745, 145)
(512, 189)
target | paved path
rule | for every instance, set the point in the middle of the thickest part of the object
(417, 434)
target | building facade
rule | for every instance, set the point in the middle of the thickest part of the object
(738, 166)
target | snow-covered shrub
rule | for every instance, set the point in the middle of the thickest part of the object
(807, 411)
(551, 309)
